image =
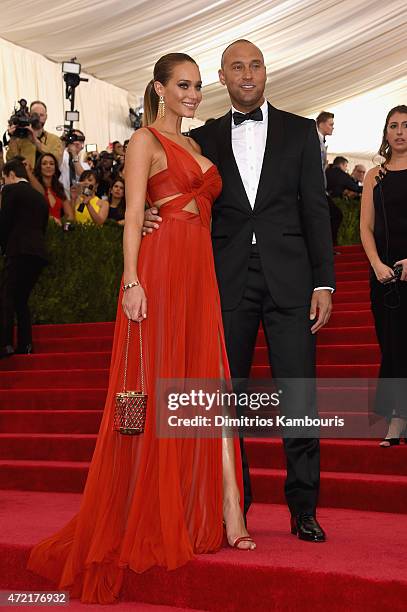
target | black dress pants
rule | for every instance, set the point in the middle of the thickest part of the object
(18, 279)
(389, 306)
(291, 349)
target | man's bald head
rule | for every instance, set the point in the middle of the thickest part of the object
(241, 41)
(244, 74)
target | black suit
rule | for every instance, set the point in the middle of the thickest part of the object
(337, 180)
(273, 282)
(23, 222)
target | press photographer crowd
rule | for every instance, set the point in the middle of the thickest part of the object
(47, 178)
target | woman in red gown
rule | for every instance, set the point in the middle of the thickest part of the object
(152, 500)
(47, 172)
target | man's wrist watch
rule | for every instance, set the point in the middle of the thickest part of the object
(75, 159)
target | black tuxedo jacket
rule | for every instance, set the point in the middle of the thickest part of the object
(23, 221)
(290, 217)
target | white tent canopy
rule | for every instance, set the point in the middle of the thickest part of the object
(348, 56)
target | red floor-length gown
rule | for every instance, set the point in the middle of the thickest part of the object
(149, 500)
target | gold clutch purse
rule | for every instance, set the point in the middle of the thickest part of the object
(131, 406)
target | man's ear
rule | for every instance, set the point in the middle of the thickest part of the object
(221, 76)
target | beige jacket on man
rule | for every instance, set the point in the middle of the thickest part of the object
(27, 149)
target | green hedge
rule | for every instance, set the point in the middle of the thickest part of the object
(81, 283)
(349, 230)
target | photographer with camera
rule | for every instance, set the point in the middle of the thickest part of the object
(27, 135)
(88, 207)
(72, 166)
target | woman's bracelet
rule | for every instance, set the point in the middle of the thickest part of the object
(130, 285)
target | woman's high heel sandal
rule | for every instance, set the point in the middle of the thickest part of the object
(243, 539)
(240, 539)
(394, 441)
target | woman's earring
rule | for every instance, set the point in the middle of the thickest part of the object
(161, 108)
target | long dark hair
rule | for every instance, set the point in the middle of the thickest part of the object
(121, 207)
(385, 149)
(162, 73)
(56, 185)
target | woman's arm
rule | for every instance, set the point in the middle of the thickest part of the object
(68, 210)
(139, 158)
(98, 217)
(32, 178)
(367, 220)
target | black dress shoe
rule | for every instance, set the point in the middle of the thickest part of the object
(27, 349)
(6, 351)
(306, 527)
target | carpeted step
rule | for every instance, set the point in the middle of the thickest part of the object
(345, 274)
(332, 355)
(372, 492)
(349, 297)
(47, 446)
(351, 317)
(326, 354)
(48, 379)
(328, 371)
(103, 344)
(354, 266)
(52, 399)
(43, 421)
(70, 345)
(56, 361)
(348, 257)
(283, 574)
(352, 285)
(98, 378)
(72, 330)
(327, 335)
(340, 306)
(336, 455)
(364, 456)
(363, 334)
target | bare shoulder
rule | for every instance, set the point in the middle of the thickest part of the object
(141, 136)
(371, 175)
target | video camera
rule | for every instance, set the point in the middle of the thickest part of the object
(22, 118)
(69, 137)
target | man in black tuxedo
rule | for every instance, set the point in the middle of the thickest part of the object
(273, 251)
(23, 222)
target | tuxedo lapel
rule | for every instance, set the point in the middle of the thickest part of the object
(272, 155)
(227, 162)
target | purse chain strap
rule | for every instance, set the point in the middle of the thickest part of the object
(126, 356)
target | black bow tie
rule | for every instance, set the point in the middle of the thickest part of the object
(255, 115)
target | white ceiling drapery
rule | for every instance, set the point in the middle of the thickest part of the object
(320, 54)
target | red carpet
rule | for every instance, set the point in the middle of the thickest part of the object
(363, 492)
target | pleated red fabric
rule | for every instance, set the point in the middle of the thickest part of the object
(148, 500)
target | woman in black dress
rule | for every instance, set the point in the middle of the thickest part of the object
(117, 201)
(383, 229)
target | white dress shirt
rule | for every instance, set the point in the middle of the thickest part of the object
(248, 145)
(65, 173)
